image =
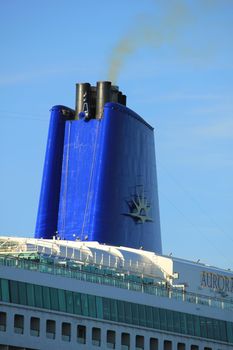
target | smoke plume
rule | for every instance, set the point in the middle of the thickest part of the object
(201, 29)
(152, 31)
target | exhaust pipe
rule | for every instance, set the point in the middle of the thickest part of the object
(90, 100)
(83, 100)
(103, 96)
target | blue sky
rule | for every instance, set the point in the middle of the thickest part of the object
(173, 59)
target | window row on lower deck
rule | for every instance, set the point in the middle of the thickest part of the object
(67, 332)
(114, 310)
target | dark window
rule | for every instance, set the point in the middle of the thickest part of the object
(2, 321)
(84, 303)
(197, 328)
(62, 300)
(38, 296)
(180, 346)
(203, 327)
(106, 308)
(223, 331)
(92, 306)
(69, 302)
(22, 293)
(54, 299)
(121, 312)
(139, 342)
(163, 319)
(14, 292)
(167, 345)
(30, 294)
(113, 307)
(125, 341)
(216, 329)
(111, 339)
(135, 316)
(183, 323)
(156, 319)
(190, 324)
(149, 316)
(154, 344)
(4, 347)
(210, 328)
(176, 321)
(142, 315)
(81, 334)
(66, 331)
(19, 324)
(169, 315)
(229, 332)
(96, 336)
(46, 298)
(99, 307)
(5, 290)
(77, 303)
(194, 347)
(128, 312)
(35, 326)
(51, 329)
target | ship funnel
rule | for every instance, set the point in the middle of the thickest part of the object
(99, 181)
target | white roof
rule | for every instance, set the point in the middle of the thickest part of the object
(124, 258)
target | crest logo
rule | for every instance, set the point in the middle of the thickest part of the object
(139, 206)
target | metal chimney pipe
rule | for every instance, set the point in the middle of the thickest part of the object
(123, 100)
(83, 99)
(114, 93)
(103, 96)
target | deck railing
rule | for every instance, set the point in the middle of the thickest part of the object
(116, 281)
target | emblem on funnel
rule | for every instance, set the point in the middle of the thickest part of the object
(139, 206)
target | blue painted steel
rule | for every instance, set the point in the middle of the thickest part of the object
(47, 217)
(108, 166)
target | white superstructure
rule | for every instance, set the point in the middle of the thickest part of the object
(59, 294)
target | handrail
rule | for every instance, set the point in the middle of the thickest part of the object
(119, 282)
